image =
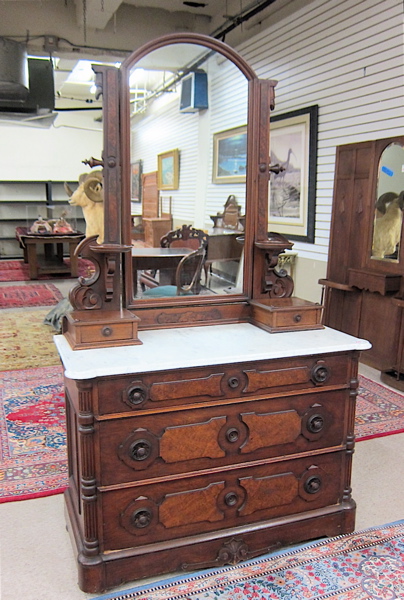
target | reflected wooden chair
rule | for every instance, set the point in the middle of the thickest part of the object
(187, 277)
(183, 237)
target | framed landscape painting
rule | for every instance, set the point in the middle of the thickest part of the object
(230, 156)
(168, 170)
(292, 195)
(136, 179)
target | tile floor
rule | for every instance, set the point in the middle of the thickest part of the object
(36, 556)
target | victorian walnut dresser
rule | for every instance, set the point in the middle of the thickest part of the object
(234, 442)
(211, 428)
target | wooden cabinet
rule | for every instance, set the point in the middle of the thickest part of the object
(207, 455)
(364, 287)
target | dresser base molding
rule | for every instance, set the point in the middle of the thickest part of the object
(111, 569)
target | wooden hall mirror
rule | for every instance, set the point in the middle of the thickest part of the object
(150, 126)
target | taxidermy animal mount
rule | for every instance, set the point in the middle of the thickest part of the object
(90, 196)
(387, 227)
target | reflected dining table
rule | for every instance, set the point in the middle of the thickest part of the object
(164, 260)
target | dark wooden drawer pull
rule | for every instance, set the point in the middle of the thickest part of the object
(315, 423)
(137, 395)
(141, 518)
(231, 499)
(320, 373)
(312, 485)
(140, 450)
(233, 382)
(232, 435)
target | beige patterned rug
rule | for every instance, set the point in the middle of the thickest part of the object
(25, 342)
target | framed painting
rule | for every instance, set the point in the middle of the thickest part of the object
(168, 170)
(136, 179)
(230, 155)
(292, 191)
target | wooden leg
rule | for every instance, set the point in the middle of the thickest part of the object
(32, 261)
(59, 251)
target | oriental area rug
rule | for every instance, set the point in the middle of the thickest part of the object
(33, 460)
(17, 270)
(17, 296)
(25, 342)
(379, 410)
(365, 565)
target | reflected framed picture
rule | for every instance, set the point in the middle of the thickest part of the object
(230, 155)
(136, 179)
(292, 195)
(168, 170)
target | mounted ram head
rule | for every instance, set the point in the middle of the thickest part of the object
(90, 196)
(387, 225)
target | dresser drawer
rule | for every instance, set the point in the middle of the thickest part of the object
(205, 438)
(172, 509)
(163, 390)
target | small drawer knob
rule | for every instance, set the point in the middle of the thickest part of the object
(312, 485)
(231, 499)
(297, 318)
(107, 331)
(140, 450)
(141, 518)
(315, 423)
(232, 435)
(136, 395)
(233, 382)
(320, 373)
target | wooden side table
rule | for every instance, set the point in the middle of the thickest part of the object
(50, 262)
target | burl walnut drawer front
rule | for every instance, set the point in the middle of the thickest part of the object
(205, 438)
(206, 384)
(234, 497)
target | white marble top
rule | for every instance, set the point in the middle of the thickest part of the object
(199, 346)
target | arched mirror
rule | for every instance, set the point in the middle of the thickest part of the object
(389, 204)
(186, 107)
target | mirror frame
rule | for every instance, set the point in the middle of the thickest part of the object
(257, 139)
(105, 313)
(381, 266)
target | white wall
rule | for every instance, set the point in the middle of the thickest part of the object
(31, 153)
(347, 57)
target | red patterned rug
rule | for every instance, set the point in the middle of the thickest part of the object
(379, 410)
(365, 565)
(17, 270)
(40, 294)
(33, 459)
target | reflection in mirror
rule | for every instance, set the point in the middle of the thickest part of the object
(189, 110)
(389, 204)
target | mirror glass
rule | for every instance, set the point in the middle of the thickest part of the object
(389, 205)
(188, 152)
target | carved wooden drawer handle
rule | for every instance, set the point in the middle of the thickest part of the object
(231, 499)
(313, 485)
(232, 435)
(141, 518)
(137, 395)
(320, 373)
(315, 423)
(233, 382)
(140, 450)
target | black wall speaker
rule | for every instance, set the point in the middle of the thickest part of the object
(194, 92)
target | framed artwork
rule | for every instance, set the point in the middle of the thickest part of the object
(230, 155)
(168, 170)
(136, 180)
(292, 196)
